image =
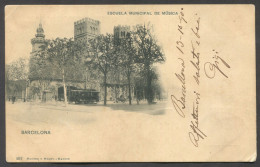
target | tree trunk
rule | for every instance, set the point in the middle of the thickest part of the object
(85, 86)
(115, 94)
(41, 96)
(129, 89)
(26, 93)
(64, 88)
(105, 85)
(149, 88)
(136, 94)
(149, 94)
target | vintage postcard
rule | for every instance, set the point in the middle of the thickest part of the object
(130, 83)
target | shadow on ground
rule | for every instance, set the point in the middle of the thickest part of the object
(152, 109)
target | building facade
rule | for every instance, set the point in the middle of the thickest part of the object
(117, 83)
(121, 32)
(39, 42)
(86, 29)
(44, 84)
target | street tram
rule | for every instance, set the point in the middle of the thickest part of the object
(84, 96)
(79, 95)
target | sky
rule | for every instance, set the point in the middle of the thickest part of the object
(21, 23)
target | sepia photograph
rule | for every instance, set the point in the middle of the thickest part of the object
(130, 83)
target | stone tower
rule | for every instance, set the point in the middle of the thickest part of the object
(39, 41)
(121, 32)
(86, 29)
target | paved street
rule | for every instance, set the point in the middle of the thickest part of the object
(31, 113)
(75, 129)
(97, 133)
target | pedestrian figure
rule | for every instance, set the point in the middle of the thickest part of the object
(13, 99)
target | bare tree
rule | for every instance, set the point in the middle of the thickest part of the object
(62, 54)
(40, 69)
(15, 73)
(102, 56)
(17, 70)
(127, 55)
(149, 52)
